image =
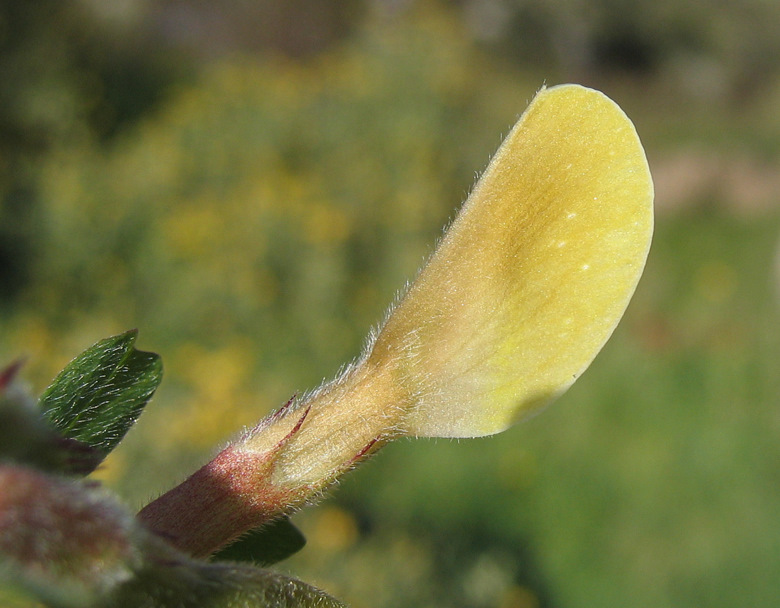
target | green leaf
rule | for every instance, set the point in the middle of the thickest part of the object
(265, 546)
(172, 579)
(193, 584)
(101, 393)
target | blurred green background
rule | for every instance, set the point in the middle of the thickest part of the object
(250, 183)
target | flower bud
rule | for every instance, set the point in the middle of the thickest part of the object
(67, 540)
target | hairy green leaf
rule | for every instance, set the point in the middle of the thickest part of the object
(171, 579)
(101, 393)
(265, 546)
(216, 585)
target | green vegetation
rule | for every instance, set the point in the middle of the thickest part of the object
(255, 220)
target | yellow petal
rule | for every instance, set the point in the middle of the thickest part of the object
(531, 278)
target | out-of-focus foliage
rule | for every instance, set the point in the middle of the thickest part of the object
(708, 47)
(67, 74)
(267, 191)
(257, 222)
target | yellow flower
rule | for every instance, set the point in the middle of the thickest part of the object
(524, 289)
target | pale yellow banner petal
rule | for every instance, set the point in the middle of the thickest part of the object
(532, 277)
